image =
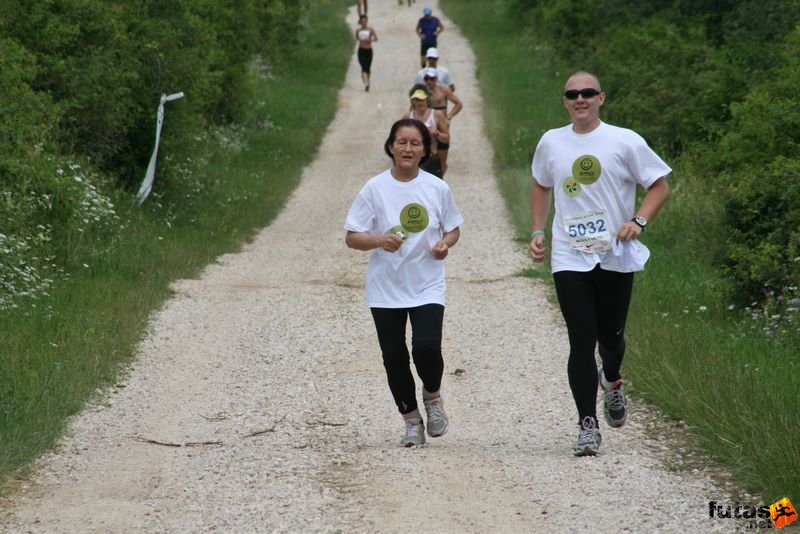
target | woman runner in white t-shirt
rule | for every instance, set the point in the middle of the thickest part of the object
(408, 220)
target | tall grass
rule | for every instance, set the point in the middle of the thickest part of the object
(720, 370)
(58, 350)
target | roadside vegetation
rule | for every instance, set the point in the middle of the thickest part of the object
(714, 332)
(82, 266)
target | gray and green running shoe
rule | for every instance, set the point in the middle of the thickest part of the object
(615, 405)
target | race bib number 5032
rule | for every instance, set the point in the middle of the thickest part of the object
(588, 232)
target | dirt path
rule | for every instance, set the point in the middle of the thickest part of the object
(265, 375)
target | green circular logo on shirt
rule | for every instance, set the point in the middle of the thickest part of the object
(571, 187)
(586, 169)
(414, 217)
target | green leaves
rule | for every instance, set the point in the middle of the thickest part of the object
(81, 81)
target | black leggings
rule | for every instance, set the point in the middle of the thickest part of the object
(595, 308)
(426, 349)
(365, 59)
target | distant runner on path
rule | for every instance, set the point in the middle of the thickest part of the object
(441, 94)
(443, 76)
(365, 35)
(428, 29)
(438, 128)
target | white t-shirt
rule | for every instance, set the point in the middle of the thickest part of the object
(594, 179)
(443, 76)
(425, 207)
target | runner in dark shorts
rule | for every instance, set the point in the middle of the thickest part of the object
(365, 36)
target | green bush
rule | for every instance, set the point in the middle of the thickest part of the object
(86, 65)
(80, 85)
(762, 216)
(757, 162)
(27, 121)
(106, 64)
(654, 91)
(27, 117)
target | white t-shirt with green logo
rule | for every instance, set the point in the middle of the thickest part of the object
(425, 209)
(594, 178)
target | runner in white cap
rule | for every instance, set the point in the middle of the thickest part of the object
(440, 96)
(443, 76)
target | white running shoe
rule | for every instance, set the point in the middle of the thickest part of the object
(415, 434)
(438, 422)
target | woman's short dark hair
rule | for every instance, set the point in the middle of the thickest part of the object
(413, 123)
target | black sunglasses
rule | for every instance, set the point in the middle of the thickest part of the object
(572, 94)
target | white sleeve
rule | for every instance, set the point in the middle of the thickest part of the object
(451, 215)
(361, 217)
(539, 168)
(645, 165)
(446, 78)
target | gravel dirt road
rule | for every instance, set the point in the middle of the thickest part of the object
(258, 402)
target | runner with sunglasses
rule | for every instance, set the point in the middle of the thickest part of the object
(443, 76)
(592, 170)
(441, 94)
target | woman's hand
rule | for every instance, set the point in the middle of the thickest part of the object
(366, 241)
(389, 243)
(443, 246)
(440, 250)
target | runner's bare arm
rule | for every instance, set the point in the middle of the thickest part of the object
(443, 133)
(540, 206)
(448, 241)
(366, 241)
(457, 104)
